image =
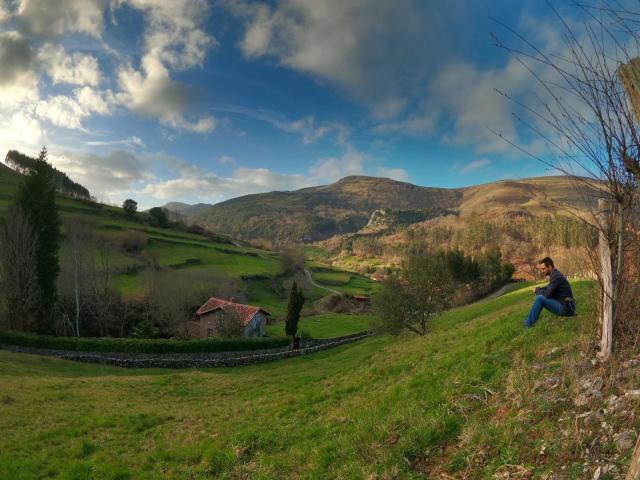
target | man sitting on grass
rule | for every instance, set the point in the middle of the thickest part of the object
(557, 297)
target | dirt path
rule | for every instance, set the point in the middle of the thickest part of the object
(307, 272)
(501, 291)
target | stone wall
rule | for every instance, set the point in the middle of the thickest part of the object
(188, 360)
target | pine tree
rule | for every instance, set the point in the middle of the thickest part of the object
(37, 198)
(296, 301)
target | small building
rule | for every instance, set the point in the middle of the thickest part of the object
(215, 311)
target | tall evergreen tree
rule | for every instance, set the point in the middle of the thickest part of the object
(37, 198)
(296, 301)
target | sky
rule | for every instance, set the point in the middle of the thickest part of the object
(201, 101)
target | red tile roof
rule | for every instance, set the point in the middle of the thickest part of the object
(245, 312)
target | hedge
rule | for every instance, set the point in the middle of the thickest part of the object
(135, 345)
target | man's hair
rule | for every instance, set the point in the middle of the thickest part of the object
(547, 262)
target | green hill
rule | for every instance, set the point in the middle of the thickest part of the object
(460, 402)
(135, 248)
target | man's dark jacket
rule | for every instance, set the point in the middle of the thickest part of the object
(559, 289)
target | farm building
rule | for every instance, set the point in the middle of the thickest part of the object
(217, 316)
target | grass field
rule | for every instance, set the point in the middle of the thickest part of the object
(326, 326)
(385, 407)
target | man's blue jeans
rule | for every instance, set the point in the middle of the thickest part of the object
(541, 301)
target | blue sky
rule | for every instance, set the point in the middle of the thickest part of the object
(200, 101)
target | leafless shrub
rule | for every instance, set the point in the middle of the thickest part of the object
(133, 242)
(230, 324)
(19, 275)
(169, 300)
(291, 260)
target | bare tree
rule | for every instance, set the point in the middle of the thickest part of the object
(230, 324)
(583, 115)
(75, 271)
(291, 260)
(19, 274)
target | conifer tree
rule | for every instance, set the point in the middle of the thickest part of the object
(296, 301)
(36, 196)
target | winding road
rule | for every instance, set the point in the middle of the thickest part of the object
(307, 272)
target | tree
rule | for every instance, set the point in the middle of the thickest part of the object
(409, 299)
(76, 271)
(19, 272)
(130, 207)
(291, 260)
(296, 302)
(159, 217)
(36, 196)
(230, 324)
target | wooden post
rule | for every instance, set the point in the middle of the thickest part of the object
(606, 314)
(634, 468)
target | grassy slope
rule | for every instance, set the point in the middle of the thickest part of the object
(394, 407)
(326, 326)
(172, 248)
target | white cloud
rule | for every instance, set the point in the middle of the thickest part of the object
(117, 171)
(468, 95)
(381, 52)
(132, 141)
(344, 42)
(46, 18)
(330, 169)
(475, 165)
(16, 57)
(21, 130)
(226, 160)
(310, 129)
(174, 39)
(5, 12)
(69, 111)
(153, 93)
(399, 174)
(174, 35)
(422, 122)
(197, 184)
(74, 69)
(18, 81)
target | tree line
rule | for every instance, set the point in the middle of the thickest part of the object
(24, 164)
(429, 282)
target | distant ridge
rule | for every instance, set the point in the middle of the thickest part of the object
(346, 206)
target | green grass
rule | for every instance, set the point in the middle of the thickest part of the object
(347, 282)
(385, 407)
(326, 326)
(336, 278)
(140, 345)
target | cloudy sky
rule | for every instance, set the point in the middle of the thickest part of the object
(200, 101)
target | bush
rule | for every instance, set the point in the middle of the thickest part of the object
(133, 242)
(134, 345)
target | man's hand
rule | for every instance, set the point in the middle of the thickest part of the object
(533, 289)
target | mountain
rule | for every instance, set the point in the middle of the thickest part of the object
(184, 208)
(318, 213)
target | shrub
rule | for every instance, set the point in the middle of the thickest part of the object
(133, 242)
(135, 345)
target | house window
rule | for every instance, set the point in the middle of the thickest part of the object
(209, 332)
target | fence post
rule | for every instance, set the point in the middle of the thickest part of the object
(604, 253)
(634, 468)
